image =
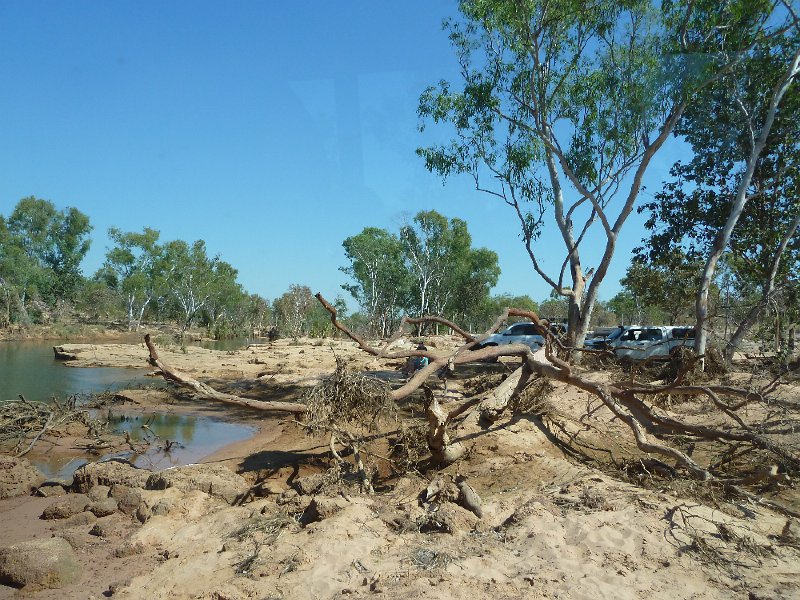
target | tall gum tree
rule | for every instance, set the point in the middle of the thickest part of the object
(563, 107)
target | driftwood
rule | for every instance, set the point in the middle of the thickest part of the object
(206, 392)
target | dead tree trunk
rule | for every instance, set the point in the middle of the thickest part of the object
(206, 392)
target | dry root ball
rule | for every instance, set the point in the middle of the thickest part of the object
(410, 447)
(533, 397)
(348, 399)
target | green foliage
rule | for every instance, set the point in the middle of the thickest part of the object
(689, 212)
(563, 103)
(41, 249)
(380, 281)
(430, 267)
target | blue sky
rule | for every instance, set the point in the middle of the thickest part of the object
(273, 131)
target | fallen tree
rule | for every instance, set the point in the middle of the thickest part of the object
(206, 392)
(630, 402)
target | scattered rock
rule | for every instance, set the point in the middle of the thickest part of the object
(309, 485)
(449, 518)
(51, 489)
(469, 498)
(214, 480)
(99, 492)
(322, 508)
(64, 353)
(109, 473)
(49, 562)
(791, 531)
(98, 530)
(128, 498)
(69, 505)
(17, 477)
(129, 548)
(270, 487)
(79, 520)
(104, 507)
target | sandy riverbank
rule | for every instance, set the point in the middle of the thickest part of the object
(551, 527)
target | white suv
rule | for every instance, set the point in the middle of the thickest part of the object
(641, 343)
(518, 333)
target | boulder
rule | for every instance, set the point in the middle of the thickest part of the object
(18, 477)
(104, 507)
(66, 506)
(109, 473)
(49, 563)
(214, 480)
(322, 508)
(310, 484)
(80, 520)
(99, 492)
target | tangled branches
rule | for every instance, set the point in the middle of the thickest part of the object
(23, 422)
(347, 405)
(655, 431)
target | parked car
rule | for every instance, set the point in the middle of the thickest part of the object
(518, 333)
(641, 343)
(606, 338)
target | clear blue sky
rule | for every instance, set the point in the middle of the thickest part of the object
(271, 130)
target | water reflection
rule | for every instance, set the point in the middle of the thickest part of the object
(28, 368)
(169, 440)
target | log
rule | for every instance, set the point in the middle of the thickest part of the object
(206, 392)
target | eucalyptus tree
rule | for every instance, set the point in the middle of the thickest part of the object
(737, 199)
(563, 106)
(443, 266)
(292, 310)
(54, 242)
(380, 282)
(668, 285)
(137, 270)
(194, 279)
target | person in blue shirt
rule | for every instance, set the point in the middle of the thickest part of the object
(415, 363)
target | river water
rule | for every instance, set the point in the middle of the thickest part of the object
(29, 369)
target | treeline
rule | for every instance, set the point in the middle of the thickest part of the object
(142, 279)
(427, 267)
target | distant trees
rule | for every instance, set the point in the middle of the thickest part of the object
(41, 249)
(428, 267)
(134, 267)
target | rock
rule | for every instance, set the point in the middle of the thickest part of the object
(128, 498)
(66, 506)
(270, 487)
(287, 497)
(322, 508)
(310, 484)
(791, 531)
(449, 518)
(50, 563)
(64, 353)
(104, 507)
(129, 548)
(79, 520)
(214, 480)
(51, 489)
(18, 477)
(98, 530)
(109, 473)
(99, 492)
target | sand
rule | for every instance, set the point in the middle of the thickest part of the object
(552, 526)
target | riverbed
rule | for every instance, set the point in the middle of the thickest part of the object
(29, 369)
